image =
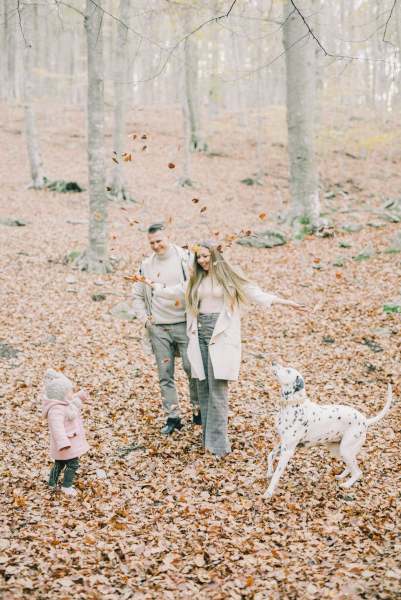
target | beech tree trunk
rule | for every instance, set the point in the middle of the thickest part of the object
(199, 141)
(116, 179)
(38, 174)
(95, 259)
(241, 100)
(301, 91)
(185, 178)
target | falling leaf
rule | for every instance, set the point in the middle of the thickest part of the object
(143, 202)
(114, 152)
(166, 329)
(248, 232)
(233, 237)
(217, 233)
(212, 344)
(184, 247)
(171, 166)
(203, 209)
(317, 260)
(219, 249)
(195, 248)
(100, 261)
(114, 237)
(338, 275)
(179, 148)
(144, 137)
(177, 303)
(144, 148)
(135, 136)
(195, 200)
(116, 191)
(131, 224)
(262, 216)
(166, 360)
(123, 208)
(108, 189)
(321, 230)
(170, 220)
(128, 158)
(125, 154)
(115, 160)
(97, 216)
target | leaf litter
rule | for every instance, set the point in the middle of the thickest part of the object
(168, 521)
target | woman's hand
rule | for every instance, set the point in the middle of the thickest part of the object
(291, 304)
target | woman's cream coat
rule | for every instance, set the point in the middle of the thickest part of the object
(225, 345)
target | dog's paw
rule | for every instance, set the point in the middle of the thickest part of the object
(267, 494)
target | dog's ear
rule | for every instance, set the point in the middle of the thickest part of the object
(299, 384)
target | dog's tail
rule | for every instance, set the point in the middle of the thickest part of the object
(385, 409)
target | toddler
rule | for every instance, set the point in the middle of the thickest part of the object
(67, 435)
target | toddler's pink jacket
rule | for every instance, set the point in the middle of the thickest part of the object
(65, 433)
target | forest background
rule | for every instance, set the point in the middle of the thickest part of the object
(230, 120)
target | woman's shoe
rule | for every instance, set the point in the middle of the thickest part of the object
(196, 415)
(69, 491)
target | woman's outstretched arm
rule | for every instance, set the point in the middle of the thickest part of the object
(255, 294)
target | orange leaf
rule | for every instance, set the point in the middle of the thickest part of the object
(115, 160)
(179, 148)
(166, 360)
(338, 275)
(122, 208)
(317, 260)
(170, 220)
(128, 158)
(131, 224)
(114, 152)
(166, 329)
(114, 237)
(176, 303)
(135, 136)
(233, 237)
(144, 148)
(262, 216)
(97, 216)
(217, 233)
(185, 247)
(203, 209)
(171, 166)
(219, 249)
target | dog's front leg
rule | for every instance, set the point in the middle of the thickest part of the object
(286, 454)
(271, 458)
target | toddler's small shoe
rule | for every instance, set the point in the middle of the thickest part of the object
(69, 491)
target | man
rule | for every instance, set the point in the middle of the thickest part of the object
(164, 321)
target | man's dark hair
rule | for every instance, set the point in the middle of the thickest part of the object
(156, 227)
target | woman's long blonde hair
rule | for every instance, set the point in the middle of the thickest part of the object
(232, 282)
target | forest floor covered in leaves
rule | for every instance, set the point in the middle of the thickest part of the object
(170, 521)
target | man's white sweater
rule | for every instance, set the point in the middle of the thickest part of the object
(167, 270)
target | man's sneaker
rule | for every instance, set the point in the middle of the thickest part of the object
(196, 415)
(171, 425)
(70, 491)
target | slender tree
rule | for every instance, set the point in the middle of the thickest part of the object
(38, 175)
(185, 177)
(95, 259)
(199, 140)
(116, 178)
(300, 59)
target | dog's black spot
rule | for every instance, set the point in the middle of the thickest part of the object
(301, 444)
(299, 384)
(339, 417)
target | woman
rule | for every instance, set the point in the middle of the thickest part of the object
(212, 296)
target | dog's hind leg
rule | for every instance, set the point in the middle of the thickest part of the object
(270, 460)
(334, 448)
(349, 447)
(286, 454)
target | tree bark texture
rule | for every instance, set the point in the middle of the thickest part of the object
(185, 178)
(116, 178)
(199, 141)
(301, 92)
(35, 158)
(95, 259)
(241, 100)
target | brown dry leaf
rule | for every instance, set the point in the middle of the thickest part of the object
(195, 200)
(317, 260)
(203, 209)
(128, 158)
(171, 166)
(108, 189)
(143, 137)
(134, 137)
(115, 160)
(123, 208)
(262, 216)
(144, 148)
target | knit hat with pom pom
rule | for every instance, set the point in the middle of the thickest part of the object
(57, 387)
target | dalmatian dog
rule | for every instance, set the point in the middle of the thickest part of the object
(303, 424)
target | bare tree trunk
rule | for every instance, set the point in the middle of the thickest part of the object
(261, 171)
(35, 158)
(185, 178)
(199, 141)
(116, 179)
(95, 259)
(240, 88)
(301, 90)
(397, 15)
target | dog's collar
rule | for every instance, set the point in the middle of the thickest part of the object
(297, 398)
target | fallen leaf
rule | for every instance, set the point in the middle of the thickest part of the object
(262, 216)
(128, 158)
(195, 200)
(203, 209)
(171, 166)
(184, 247)
(317, 260)
(115, 160)
(144, 148)
(338, 275)
(108, 189)
(143, 137)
